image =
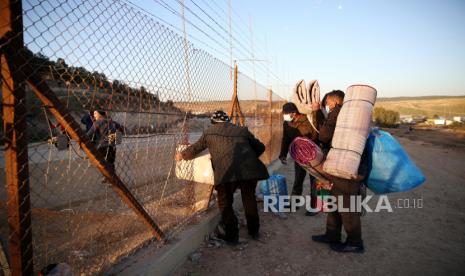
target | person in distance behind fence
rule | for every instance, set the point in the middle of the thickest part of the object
(101, 134)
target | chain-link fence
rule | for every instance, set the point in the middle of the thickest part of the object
(63, 200)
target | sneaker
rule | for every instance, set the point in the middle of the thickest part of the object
(347, 248)
(228, 240)
(324, 239)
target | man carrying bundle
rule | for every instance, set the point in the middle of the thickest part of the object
(297, 125)
(342, 188)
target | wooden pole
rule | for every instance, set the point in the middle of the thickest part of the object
(16, 151)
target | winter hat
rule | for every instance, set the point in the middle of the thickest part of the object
(290, 108)
(101, 112)
(219, 116)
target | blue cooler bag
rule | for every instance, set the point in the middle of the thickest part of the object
(390, 169)
(275, 185)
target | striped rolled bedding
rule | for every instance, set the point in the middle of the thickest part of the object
(303, 96)
(308, 155)
(351, 133)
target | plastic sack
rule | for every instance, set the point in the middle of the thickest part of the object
(198, 169)
(275, 185)
(390, 169)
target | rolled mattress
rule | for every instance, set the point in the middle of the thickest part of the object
(351, 133)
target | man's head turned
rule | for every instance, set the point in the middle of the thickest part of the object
(333, 98)
(290, 108)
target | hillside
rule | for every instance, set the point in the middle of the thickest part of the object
(445, 106)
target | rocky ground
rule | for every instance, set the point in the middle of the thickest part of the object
(415, 238)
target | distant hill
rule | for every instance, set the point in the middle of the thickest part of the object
(247, 106)
(444, 106)
(421, 98)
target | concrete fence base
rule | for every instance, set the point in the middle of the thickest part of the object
(164, 261)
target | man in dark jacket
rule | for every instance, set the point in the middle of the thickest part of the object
(297, 125)
(332, 103)
(341, 188)
(234, 154)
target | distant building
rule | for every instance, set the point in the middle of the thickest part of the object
(406, 119)
(439, 122)
(459, 119)
(419, 119)
(442, 122)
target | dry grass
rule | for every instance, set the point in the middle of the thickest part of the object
(427, 106)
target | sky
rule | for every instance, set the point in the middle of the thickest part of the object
(402, 48)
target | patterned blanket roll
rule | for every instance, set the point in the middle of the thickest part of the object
(308, 155)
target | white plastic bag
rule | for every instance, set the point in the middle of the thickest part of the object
(198, 169)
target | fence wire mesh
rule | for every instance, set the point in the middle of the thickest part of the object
(161, 89)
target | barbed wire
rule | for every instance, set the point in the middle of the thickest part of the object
(238, 45)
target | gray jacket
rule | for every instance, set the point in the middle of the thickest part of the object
(234, 152)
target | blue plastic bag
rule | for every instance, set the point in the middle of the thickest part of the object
(275, 185)
(389, 167)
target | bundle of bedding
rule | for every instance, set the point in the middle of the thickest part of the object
(308, 155)
(303, 96)
(352, 129)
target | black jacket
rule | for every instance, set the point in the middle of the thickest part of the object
(301, 127)
(326, 126)
(234, 152)
(100, 131)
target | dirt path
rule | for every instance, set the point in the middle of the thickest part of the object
(428, 240)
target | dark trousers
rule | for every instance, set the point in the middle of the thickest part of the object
(225, 204)
(109, 153)
(350, 220)
(297, 188)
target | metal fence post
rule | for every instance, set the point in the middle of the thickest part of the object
(235, 110)
(270, 105)
(16, 152)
